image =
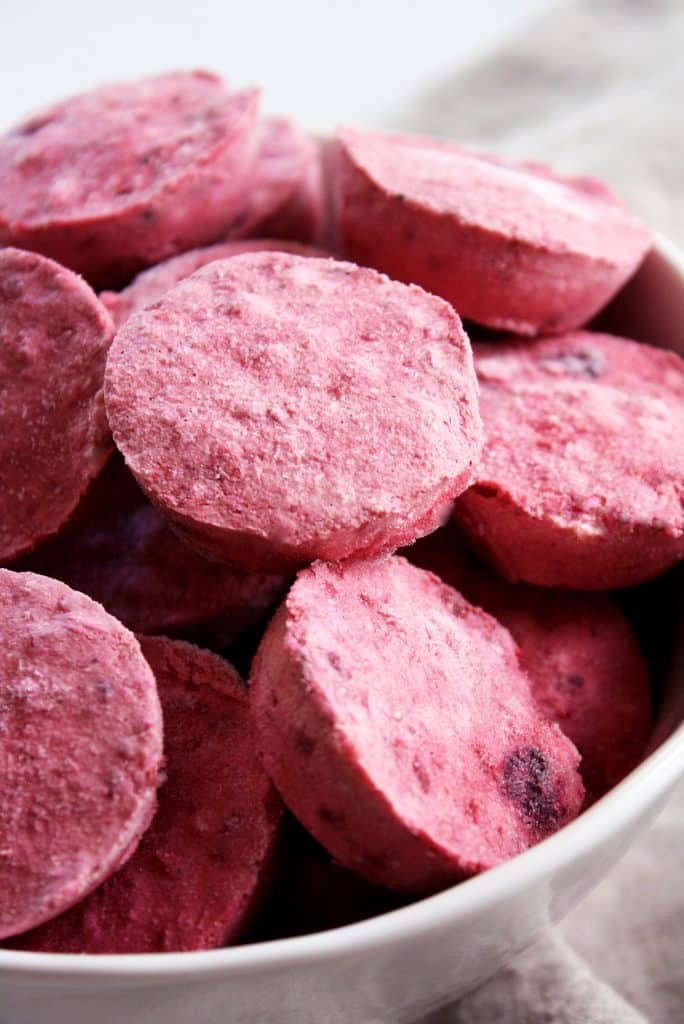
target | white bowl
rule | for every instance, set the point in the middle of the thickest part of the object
(398, 966)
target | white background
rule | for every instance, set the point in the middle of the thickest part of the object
(320, 61)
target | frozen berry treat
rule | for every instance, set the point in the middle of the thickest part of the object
(581, 481)
(80, 747)
(397, 724)
(116, 179)
(511, 245)
(54, 438)
(281, 409)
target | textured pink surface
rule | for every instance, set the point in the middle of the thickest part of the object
(586, 670)
(397, 725)
(80, 747)
(581, 481)
(581, 657)
(121, 177)
(304, 215)
(121, 551)
(54, 438)
(510, 245)
(283, 164)
(200, 869)
(282, 409)
(152, 284)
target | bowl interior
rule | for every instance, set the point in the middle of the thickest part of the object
(650, 308)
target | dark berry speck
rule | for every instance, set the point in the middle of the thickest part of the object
(528, 782)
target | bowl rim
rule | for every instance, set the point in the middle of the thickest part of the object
(645, 786)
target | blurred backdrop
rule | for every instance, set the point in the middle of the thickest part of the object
(322, 61)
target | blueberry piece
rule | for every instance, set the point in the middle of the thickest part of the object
(528, 782)
(586, 362)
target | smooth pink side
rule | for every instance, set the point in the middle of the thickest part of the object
(544, 553)
(514, 272)
(580, 483)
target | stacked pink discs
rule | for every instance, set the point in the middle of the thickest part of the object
(287, 417)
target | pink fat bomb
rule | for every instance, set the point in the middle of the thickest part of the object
(120, 550)
(119, 178)
(281, 409)
(511, 245)
(54, 437)
(580, 484)
(586, 669)
(400, 730)
(150, 285)
(80, 747)
(199, 872)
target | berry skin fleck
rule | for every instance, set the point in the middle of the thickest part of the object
(528, 782)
